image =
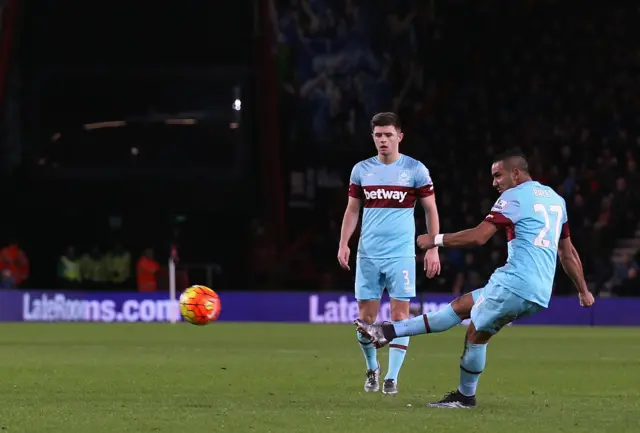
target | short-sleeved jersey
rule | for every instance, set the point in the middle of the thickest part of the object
(389, 193)
(535, 219)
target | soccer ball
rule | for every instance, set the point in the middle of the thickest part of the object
(199, 305)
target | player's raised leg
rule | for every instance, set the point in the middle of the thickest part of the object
(368, 290)
(430, 323)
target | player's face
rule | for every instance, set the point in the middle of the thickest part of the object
(386, 139)
(503, 179)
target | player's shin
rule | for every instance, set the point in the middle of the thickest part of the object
(368, 351)
(397, 352)
(434, 322)
(472, 364)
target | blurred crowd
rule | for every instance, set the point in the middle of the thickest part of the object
(468, 80)
(92, 269)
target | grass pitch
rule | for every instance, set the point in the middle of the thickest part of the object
(73, 378)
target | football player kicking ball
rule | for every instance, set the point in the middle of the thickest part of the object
(387, 186)
(535, 219)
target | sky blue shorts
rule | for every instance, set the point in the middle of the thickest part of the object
(494, 307)
(397, 275)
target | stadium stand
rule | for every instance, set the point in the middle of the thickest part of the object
(566, 95)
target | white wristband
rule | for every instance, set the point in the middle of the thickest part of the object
(439, 240)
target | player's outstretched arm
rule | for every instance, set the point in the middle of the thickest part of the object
(572, 265)
(349, 224)
(476, 236)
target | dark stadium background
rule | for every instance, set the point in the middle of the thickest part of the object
(222, 133)
(255, 197)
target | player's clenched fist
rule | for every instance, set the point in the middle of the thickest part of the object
(343, 257)
(586, 299)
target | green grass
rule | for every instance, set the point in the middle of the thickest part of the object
(237, 378)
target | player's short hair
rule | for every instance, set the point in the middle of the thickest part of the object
(513, 158)
(386, 119)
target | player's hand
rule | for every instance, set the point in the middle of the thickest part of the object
(432, 263)
(343, 257)
(426, 242)
(586, 299)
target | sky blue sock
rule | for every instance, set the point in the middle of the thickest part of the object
(471, 366)
(437, 321)
(397, 352)
(368, 351)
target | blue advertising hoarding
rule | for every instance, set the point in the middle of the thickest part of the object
(296, 307)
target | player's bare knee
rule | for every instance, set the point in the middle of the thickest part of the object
(462, 306)
(397, 316)
(399, 309)
(368, 318)
(477, 337)
(368, 310)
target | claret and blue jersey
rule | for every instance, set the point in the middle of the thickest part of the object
(535, 219)
(389, 193)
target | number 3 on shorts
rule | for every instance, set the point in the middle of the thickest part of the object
(407, 281)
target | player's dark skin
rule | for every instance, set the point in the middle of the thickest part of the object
(462, 307)
(506, 174)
